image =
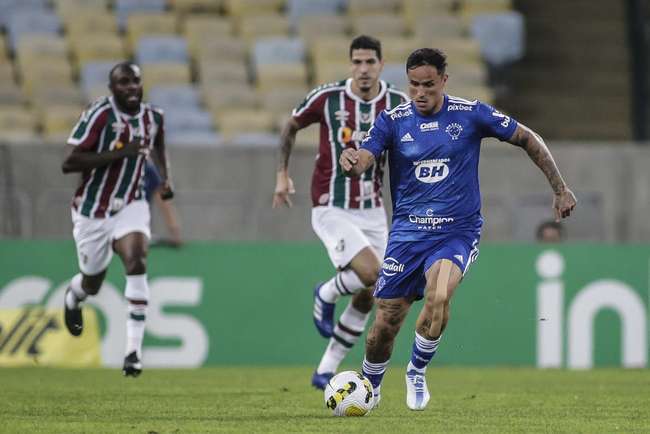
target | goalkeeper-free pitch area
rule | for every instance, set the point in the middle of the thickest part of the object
(262, 399)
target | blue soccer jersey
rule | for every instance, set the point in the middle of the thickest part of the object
(433, 163)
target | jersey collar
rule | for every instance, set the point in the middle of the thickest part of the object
(352, 95)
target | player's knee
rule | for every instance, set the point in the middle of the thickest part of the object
(363, 300)
(368, 274)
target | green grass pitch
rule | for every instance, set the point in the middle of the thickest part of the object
(263, 400)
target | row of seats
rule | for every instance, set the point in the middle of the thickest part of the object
(256, 64)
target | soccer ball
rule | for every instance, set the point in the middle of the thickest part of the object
(349, 393)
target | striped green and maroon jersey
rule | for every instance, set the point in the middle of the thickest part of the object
(344, 121)
(102, 127)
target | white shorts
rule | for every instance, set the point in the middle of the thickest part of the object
(345, 232)
(94, 237)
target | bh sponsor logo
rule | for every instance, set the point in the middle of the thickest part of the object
(401, 114)
(392, 266)
(431, 171)
(459, 107)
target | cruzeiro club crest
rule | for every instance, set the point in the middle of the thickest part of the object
(454, 129)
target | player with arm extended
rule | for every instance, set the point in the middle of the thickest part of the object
(433, 147)
(109, 146)
(348, 214)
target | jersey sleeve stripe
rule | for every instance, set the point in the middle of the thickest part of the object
(312, 98)
(88, 126)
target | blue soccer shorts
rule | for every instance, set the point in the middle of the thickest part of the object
(406, 262)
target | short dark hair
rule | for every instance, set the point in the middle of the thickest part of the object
(365, 42)
(427, 56)
(121, 66)
(549, 224)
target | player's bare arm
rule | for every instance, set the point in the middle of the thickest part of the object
(78, 160)
(564, 201)
(283, 183)
(162, 162)
(355, 162)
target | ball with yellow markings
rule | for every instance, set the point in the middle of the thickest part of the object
(349, 393)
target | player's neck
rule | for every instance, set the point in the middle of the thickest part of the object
(365, 95)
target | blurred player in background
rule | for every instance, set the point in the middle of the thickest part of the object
(348, 214)
(109, 146)
(433, 148)
(154, 187)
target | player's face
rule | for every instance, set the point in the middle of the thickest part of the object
(126, 86)
(426, 87)
(366, 68)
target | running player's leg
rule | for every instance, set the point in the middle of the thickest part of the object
(92, 240)
(445, 270)
(352, 321)
(131, 244)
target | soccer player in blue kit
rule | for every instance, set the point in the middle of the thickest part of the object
(433, 145)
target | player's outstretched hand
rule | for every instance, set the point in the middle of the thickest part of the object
(283, 189)
(166, 191)
(349, 158)
(563, 203)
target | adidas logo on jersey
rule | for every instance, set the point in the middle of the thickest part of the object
(407, 138)
(460, 258)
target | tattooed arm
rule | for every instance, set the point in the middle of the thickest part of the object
(564, 201)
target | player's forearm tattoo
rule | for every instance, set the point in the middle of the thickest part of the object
(541, 156)
(287, 139)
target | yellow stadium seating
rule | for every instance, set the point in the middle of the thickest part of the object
(330, 49)
(197, 28)
(470, 8)
(281, 75)
(4, 53)
(39, 73)
(365, 7)
(7, 74)
(416, 9)
(10, 95)
(188, 6)
(140, 24)
(328, 72)
(281, 101)
(458, 50)
(445, 26)
(39, 48)
(70, 9)
(96, 92)
(57, 122)
(482, 93)
(88, 22)
(257, 26)
(60, 96)
(308, 138)
(239, 121)
(313, 27)
(380, 26)
(239, 8)
(98, 47)
(227, 96)
(468, 73)
(231, 48)
(16, 120)
(165, 73)
(397, 50)
(216, 71)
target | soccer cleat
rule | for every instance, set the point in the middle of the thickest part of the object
(319, 381)
(417, 393)
(73, 319)
(323, 314)
(132, 365)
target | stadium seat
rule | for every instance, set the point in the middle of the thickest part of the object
(37, 73)
(215, 71)
(197, 27)
(231, 48)
(395, 74)
(397, 50)
(330, 49)
(9, 7)
(314, 27)
(178, 120)
(471, 8)
(98, 47)
(38, 47)
(500, 35)
(427, 28)
(225, 97)
(22, 23)
(59, 96)
(458, 50)
(149, 24)
(281, 102)
(369, 7)
(308, 138)
(298, 9)
(480, 92)
(10, 95)
(88, 24)
(95, 92)
(161, 49)
(382, 26)
(236, 121)
(240, 8)
(58, 121)
(259, 26)
(175, 97)
(328, 72)
(67, 10)
(277, 50)
(190, 6)
(413, 10)
(468, 73)
(155, 74)
(16, 120)
(124, 8)
(254, 139)
(281, 76)
(95, 74)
